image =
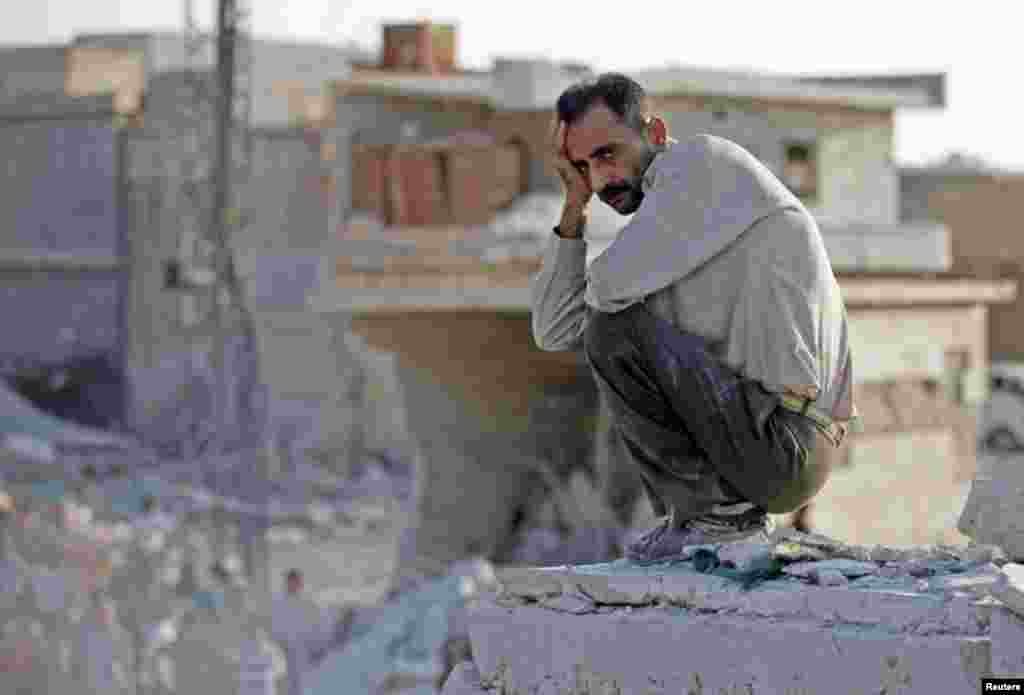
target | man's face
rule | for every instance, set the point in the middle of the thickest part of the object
(611, 155)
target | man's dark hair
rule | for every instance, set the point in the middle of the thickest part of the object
(621, 94)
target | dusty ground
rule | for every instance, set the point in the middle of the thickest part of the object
(354, 564)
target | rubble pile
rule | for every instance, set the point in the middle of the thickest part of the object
(970, 598)
(400, 644)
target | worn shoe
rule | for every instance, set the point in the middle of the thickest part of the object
(665, 542)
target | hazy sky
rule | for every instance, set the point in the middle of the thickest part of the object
(977, 44)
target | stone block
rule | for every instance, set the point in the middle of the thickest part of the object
(994, 511)
(528, 582)
(1009, 587)
(948, 603)
(1007, 634)
(658, 650)
(964, 615)
(624, 590)
(885, 610)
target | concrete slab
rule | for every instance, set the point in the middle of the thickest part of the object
(676, 650)
(893, 605)
(993, 513)
(1009, 587)
(1007, 634)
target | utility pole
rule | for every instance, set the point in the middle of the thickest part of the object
(231, 317)
(222, 261)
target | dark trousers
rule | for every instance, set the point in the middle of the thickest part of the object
(699, 433)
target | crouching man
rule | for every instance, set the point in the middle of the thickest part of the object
(713, 324)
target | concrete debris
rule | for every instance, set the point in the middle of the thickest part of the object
(744, 556)
(569, 603)
(929, 568)
(891, 571)
(1009, 587)
(985, 553)
(976, 582)
(599, 589)
(1006, 630)
(849, 568)
(992, 512)
(826, 576)
(830, 547)
(402, 638)
(882, 554)
(794, 552)
(690, 551)
(528, 583)
(919, 643)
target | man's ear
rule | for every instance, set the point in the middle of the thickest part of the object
(656, 130)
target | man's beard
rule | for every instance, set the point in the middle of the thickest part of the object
(624, 199)
(630, 193)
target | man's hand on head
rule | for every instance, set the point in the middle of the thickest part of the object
(575, 185)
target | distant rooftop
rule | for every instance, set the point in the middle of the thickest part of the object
(959, 164)
(355, 51)
(874, 92)
(918, 92)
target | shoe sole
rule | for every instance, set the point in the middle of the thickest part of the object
(718, 540)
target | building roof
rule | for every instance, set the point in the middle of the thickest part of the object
(753, 85)
(680, 80)
(352, 49)
(934, 84)
(490, 267)
(959, 165)
(867, 92)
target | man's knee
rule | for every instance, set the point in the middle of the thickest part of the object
(604, 332)
(801, 491)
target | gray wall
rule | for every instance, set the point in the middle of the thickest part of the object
(279, 253)
(31, 69)
(280, 258)
(58, 188)
(53, 316)
(59, 197)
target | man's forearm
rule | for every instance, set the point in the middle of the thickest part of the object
(557, 291)
(571, 224)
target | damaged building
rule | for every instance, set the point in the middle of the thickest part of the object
(107, 188)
